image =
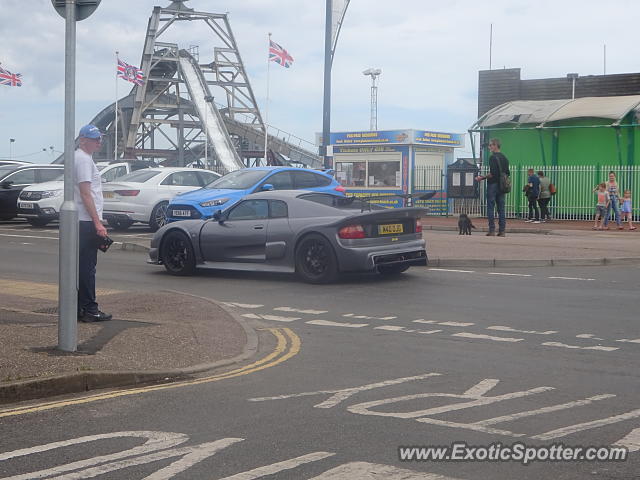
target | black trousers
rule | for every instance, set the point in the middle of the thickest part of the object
(544, 208)
(533, 208)
(87, 261)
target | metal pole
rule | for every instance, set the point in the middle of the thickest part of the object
(326, 109)
(11, 140)
(115, 143)
(266, 110)
(490, 43)
(68, 243)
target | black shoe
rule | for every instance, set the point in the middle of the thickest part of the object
(491, 233)
(501, 234)
(96, 317)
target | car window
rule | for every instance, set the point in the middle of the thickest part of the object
(238, 180)
(23, 177)
(278, 209)
(139, 176)
(250, 210)
(304, 180)
(184, 179)
(114, 173)
(207, 177)
(280, 181)
(49, 174)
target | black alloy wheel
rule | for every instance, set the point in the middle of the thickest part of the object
(158, 216)
(177, 254)
(315, 260)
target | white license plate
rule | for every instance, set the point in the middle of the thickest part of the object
(107, 194)
(182, 213)
(28, 206)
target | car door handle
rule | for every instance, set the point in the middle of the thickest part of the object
(258, 227)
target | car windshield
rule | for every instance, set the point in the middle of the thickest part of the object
(6, 169)
(139, 176)
(342, 203)
(238, 180)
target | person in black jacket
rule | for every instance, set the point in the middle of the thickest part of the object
(495, 197)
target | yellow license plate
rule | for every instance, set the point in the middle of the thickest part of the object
(107, 194)
(390, 228)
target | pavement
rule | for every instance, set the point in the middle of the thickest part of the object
(164, 336)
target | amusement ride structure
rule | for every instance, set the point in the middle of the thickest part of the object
(184, 106)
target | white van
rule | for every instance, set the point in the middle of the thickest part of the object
(40, 203)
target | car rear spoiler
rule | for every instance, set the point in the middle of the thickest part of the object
(366, 201)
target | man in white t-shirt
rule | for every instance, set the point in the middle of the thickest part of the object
(88, 199)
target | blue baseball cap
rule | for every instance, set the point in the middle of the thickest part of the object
(90, 131)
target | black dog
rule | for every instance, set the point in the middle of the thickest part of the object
(464, 225)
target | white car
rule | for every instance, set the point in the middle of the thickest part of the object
(143, 196)
(40, 203)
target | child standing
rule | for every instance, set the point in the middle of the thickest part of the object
(626, 209)
(602, 206)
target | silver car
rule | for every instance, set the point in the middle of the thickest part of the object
(315, 235)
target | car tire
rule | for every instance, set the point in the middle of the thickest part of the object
(177, 254)
(158, 216)
(37, 222)
(119, 225)
(315, 260)
(389, 270)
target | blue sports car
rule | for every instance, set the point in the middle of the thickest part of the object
(229, 189)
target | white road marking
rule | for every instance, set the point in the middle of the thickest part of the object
(26, 243)
(573, 278)
(242, 305)
(540, 411)
(514, 330)
(252, 315)
(563, 432)
(429, 332)
(327, 323)
(450, 270)
(371, 471)
(482, 387)
(455, 324)
(595, 347)
(631, 442)
(27, 236)
(366, 317)
(341, 395)
(280, 466)
(637, 340)
(511, 274)
(391, 328)
(422, 320)
(486, 337)
(590, 336)
(274, 318)
(295, 310)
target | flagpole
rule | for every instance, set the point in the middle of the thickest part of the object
(266, 110)
(115, 146)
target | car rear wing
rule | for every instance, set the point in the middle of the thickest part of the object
(366, 201)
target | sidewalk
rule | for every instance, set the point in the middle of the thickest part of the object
(147, 341)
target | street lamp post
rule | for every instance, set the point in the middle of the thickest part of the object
(11, 140)
(573, 77)
(373, 73)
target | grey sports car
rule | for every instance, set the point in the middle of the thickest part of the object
(315, 235)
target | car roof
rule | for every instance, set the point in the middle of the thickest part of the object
(6, 169)
(283, 194)
(173, 169)
(295, 169)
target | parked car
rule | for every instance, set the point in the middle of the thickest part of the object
(316, 235)
(143, 195)
(41, 203)
(229, 189)
(13, 178)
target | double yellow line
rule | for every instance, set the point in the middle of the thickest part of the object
(288, 345)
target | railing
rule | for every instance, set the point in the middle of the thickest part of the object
(574, 199)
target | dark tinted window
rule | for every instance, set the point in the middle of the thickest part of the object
(49, 174)
(239, 180)
(208, 177)
(139, 176)
(280, 181)
(310, 180)
(23, 177)
(278, 209)
(343, 203)
(184, 179)
(250, 210)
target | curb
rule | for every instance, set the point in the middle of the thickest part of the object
(83, 382)
(131, 247)
(553, 262)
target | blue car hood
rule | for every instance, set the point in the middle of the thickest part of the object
(205, 194)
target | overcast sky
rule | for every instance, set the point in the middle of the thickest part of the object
(429, 52)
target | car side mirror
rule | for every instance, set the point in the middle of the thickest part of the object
(219, 217)
(6, 184)
(103, 180)
(267, 187)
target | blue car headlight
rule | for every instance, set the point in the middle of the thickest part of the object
(214, 203)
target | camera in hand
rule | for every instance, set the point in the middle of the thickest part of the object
(104, 243)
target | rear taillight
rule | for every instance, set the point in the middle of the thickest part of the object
(418, 226)
(352, 231)
(340, 189)
(127, 193)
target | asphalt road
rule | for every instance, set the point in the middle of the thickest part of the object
(540, 356)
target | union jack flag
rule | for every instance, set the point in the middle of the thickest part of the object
(10, 79)
(130, 73)
(279, 55)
